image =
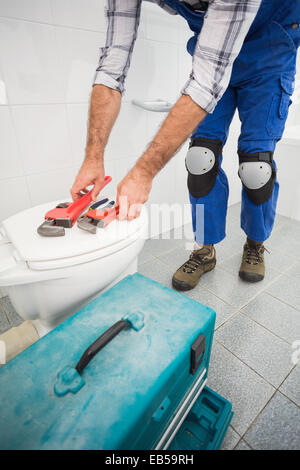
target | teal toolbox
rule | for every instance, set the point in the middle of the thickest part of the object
(206, 424)
(134, 393)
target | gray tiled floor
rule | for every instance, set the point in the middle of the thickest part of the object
(256, 326)
(8, 315)
(291, 385)
(230, 440)
(277, 427)
(242, 445)
(257, 347)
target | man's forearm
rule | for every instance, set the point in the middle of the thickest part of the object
(104, 109)
(183, 118)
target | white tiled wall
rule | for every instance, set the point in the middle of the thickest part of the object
(48, 54)
(49, 50)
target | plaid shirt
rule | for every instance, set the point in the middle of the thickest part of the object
(225, 26)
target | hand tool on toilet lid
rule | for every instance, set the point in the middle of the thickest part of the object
(96, 218)
(104, 202)
(98, 204)
(65, 215)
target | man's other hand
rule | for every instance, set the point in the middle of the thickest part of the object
(133, 192)
(91, 173)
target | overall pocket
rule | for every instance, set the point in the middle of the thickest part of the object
(284, 32)
(293, 30)
(279, 107)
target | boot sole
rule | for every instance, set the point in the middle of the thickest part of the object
(251, 277)
(184, 286)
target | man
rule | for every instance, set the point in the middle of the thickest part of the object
(244, 57)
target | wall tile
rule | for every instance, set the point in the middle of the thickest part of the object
(35, 10)
(162, 81)
(3, 94)
(153, 72)
(181, 189)
(160, 25)
(28, 58)
(78, 59)
(289, 194)
(184, 31)
(111, 169)
(78, 122)
(137, 80)
(184, 65)
(129, 135)
(86, 14)
(53, 66)
(10, 164)
(154, 123)
(51, 186)
(15, 194)
(43, 137)
(119, 171)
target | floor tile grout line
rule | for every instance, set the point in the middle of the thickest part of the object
(210, 291)
(237, 432)
(276, 270)
(241, 439)
(293, 368)
(274, 386)
(265, 328)
(283, 301)
(276, 278)
(258, 415)
(205, 289)
(277, 388)
(247, 365)
(252, 298)
(4, 310)
(235, 312)
(288, 398)
(11, 323)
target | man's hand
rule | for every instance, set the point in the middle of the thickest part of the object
(133, 192)
(90, 173)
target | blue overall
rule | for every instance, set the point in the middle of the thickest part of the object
(260, 87)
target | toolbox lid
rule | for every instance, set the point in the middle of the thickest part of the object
(133, 392)
(75, 247)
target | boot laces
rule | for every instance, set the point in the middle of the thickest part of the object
(254, 253)
(195, 260)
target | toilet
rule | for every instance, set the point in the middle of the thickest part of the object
(49, 279)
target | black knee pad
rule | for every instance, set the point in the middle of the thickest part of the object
(202, 164)
(258, 175)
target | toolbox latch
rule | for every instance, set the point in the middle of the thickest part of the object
(197, 353)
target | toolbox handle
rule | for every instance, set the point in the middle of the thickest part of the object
(99, 344)
(69, 378)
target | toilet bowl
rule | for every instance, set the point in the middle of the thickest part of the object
(49, 279)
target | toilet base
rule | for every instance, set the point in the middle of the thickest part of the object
(43, 328)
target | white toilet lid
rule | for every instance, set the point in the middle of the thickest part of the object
(77, 246)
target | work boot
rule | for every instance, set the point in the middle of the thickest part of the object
(253, 264)
(200, 261)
